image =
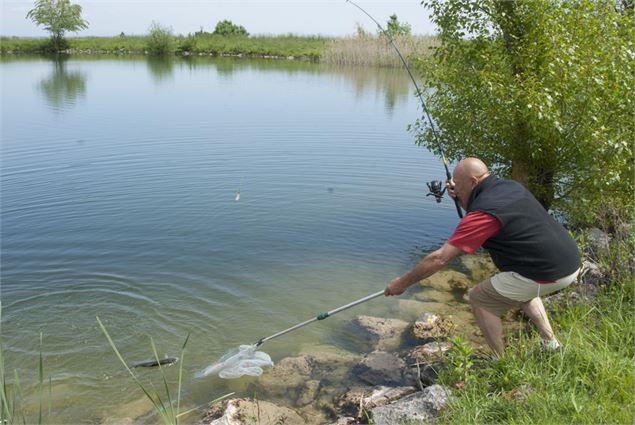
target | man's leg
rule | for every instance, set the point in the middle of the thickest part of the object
(535, 310)
(492, 327)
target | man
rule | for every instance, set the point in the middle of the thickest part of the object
(535, 255)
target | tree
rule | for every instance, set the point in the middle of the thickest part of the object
(57, 17)
(228, 28)
(396, 28)
(542, 91)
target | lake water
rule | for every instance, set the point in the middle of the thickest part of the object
(119, 181)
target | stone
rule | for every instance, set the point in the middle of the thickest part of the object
(384, 333)
(380, 368)
(425, 374)
(446, 280)
(298, 378)
(420, 406)
(431, 326)
(591, 274)
(434, 296)
(480, 266)
(353, 402)
(240, 411)
(597, 241)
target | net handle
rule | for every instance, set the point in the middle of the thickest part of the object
(320, 316)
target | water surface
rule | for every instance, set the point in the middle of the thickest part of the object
(119, 181)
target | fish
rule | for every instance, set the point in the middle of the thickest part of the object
(152, 363)
(237, 196)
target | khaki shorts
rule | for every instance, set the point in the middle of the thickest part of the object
(507, 290)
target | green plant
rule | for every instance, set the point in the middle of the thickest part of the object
(228, 28)
(459, 362)
(540, 90)
(12, 410)
(57, 17)
(168, 409)
(160, 40)
(396, 28)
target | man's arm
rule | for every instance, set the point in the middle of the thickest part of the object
(428, 266)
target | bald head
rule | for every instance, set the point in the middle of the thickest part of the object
(467, 175)
(471, 167)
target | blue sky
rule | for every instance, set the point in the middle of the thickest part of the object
(327, 17)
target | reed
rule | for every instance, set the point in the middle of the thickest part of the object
(167, 407)
(375, 50)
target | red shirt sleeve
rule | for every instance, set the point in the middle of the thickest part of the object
(473, 230)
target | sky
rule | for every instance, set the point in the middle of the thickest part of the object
(302, 17)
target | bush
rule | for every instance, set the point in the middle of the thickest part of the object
(228, 28)
(160, 40)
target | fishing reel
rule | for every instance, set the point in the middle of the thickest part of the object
(435, 190)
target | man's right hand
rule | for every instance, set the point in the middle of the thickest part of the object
(450, 186)
(397, 286)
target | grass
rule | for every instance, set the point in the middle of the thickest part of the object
(12, 402)
(256, 46)
(167, 407)
(591, 381)
(367, 49)
(362, 50)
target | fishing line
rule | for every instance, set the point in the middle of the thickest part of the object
(435, 185)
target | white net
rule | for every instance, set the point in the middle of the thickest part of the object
(244, 360)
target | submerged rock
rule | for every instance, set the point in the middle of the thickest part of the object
(420, 406)
(480, 266)
(299, 378)
(382, 332)
(240, 411)
(446, 280)
(380, 368)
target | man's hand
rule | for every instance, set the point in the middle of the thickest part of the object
(397, 286)
(450, 186)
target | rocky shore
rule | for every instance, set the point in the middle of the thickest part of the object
(395, 381)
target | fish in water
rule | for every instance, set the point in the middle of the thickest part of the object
(237, 196)
(152, 363)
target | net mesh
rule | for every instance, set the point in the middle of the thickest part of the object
(244, 360)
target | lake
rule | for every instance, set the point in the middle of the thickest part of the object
(120, 181)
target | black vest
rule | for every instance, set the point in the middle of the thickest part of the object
(530, 241)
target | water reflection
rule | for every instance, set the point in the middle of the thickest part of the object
(161, 68)
(63, 88)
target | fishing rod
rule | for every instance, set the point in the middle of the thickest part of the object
(435, 185)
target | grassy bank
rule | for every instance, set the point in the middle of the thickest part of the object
(365, 50)
(257, 46)
(591, 381)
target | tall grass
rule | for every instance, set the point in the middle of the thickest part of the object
(167, 407)
(590, 382)
(367, 49)
(12, 406)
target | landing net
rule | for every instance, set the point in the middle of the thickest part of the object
(244, 360)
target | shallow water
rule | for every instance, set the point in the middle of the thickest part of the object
(119, 200)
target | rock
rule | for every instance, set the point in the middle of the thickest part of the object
(298, 378)
(240, 411)
(380, 368)
(425, 373)
(597, 241)
(382, 332)
(591, 274)
(421, 406)
(430, 350)
(434, 296)
(357, 399)
(309, 393)
(480, 266)
(429, 326)
(411, 309)
(446, 280)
